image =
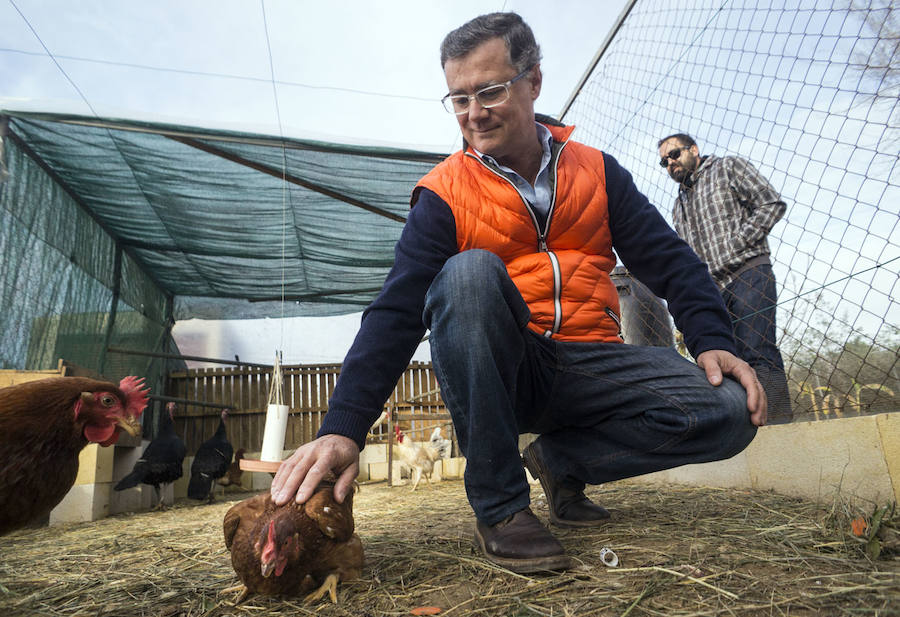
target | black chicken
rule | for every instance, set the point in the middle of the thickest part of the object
(161, 462)
(211, 463)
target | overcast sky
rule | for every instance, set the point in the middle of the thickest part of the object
(358, 70)
(353, 70)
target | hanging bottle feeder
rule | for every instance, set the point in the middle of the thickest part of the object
(276, 418)
(276, 426)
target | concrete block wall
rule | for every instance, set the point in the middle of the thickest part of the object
(373, 454)
(860, 457)
(89, 497)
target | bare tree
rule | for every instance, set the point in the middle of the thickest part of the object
(879, 61)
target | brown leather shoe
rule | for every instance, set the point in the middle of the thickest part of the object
(569, 507)
(521, 543)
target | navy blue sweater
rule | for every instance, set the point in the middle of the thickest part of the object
(392, 325)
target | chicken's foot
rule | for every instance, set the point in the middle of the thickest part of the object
(242, 588)
(160, 505)
(330, 585)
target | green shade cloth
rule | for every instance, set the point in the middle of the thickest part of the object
(204, 224)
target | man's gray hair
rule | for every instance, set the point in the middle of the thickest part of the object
(524, 51)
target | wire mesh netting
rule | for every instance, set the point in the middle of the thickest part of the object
(808, 92)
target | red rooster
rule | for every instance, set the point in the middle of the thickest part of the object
(44, 425)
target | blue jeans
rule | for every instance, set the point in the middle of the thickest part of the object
(604, 411)
(750, 298)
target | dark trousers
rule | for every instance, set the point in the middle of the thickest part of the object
(604, 411)
(750, 299)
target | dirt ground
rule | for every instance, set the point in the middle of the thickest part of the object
(682, 551)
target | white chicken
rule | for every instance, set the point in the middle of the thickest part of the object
(441, 444)
(378, 422)
(419, 459)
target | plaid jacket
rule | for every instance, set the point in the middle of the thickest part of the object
(725, 215)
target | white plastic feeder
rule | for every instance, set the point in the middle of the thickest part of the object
(276, 418)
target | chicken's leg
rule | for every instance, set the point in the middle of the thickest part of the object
(161, 502)
(330, 585)
(242, 588)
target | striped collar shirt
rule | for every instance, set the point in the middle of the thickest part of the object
(538, 196)
(724, 212)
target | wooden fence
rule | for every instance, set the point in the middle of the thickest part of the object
(416, 403)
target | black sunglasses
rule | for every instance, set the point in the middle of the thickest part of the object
(673, 154)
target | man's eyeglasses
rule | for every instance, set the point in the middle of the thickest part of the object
(673, 154)
(488, 97)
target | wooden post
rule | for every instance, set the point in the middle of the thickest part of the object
(113, 306)
(390, 448)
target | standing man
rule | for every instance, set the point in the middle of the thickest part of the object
(725, 209)
(506, 258)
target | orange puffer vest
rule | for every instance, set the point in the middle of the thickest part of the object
(561, 271)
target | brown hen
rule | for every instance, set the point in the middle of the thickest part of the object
(234, 474)
(44, 425)
(294, 549)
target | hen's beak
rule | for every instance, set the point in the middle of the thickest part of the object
(266, 569)
(130, 424)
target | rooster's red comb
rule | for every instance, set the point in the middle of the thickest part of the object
(136, 392)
